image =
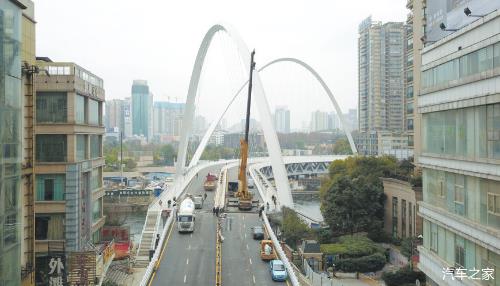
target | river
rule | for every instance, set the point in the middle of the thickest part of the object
(309, 208)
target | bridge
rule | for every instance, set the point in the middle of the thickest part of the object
(222, 250)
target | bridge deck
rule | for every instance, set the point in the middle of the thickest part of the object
(189, 259)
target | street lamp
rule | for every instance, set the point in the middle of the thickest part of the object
(443, 27)
(468, 13)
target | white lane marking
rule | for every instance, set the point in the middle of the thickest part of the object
(191, 235)
(243, 217)
(187, 261)
(244, 226)
(247, 246)
(253, 276)
(184, 278)
(245, 235)
(250, 260)
(189, 247)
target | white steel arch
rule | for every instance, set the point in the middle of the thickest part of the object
(273, 147)
(210, 130)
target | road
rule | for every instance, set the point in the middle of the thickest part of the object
(189, 259)
(241, 263)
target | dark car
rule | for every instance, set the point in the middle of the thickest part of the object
(258, 232)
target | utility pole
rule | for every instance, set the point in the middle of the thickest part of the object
(121, 157)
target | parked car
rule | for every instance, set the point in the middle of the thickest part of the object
(258, 232)
(278, 270)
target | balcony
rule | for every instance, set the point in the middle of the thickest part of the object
(409, 18)
(409, 4)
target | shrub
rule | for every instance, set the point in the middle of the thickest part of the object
(369, 263)
(352, 247)
(379, 235)
(402, 276)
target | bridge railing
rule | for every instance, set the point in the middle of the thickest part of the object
(277, 245)
(154, 263)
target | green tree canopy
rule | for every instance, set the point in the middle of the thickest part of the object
(342, 147)
(352, 198)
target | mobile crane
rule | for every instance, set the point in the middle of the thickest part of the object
(245, 197)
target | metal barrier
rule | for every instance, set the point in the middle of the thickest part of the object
(317, 279)
(218, 257)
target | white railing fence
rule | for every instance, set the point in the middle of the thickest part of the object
(153, 264)
(281, 253)
(317, 279)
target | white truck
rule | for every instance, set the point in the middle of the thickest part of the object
(198, 202)
(185, 216)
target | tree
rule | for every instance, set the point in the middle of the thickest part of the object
(342, 147)
(352, 199)
(165, 155)
(294, 228)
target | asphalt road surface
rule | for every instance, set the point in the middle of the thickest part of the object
(189, 259)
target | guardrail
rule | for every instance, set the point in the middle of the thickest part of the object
(153, 264)
(281, 253)
(317, 279)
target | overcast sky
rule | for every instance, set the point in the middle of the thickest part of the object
(123, 40)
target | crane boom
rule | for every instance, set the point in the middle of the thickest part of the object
(245, 199)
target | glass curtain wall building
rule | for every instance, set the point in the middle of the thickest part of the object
(10, 141)
(459, 104)
(142, 109)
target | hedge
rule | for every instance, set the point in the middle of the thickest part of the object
(403, 276)
(352, 247)
(369, 263)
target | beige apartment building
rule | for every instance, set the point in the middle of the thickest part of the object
(400, 209)
(68, 162)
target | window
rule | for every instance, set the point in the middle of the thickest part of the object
(394, 217)
(96, 210)
(51, 107)
(49, 227)
(459, 251)
(96, 178)
(494, 204)
(93, 112)
(409, 91)
(467, 65)
(403, 218)
(409, 108)
(81, 147)
(496, 55)
(410, 220)
(434, 237)
(493, 130)
(95, 146)
(409, 124)
(50, 187)
(80, 110)
(51, 148)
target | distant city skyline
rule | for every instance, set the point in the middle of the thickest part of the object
(328, 44)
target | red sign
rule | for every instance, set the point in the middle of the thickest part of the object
(118, 233)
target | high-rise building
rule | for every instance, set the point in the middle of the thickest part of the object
(167, 118)
(68, 165)
(142, 109)
(10, 141)
(29, 71)
(282, 119)
(319, 121)
(352, 119)
(459, 104)
(115, 115)
(380, 70)
(333, 121)
(199, 125)
(127, 117)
